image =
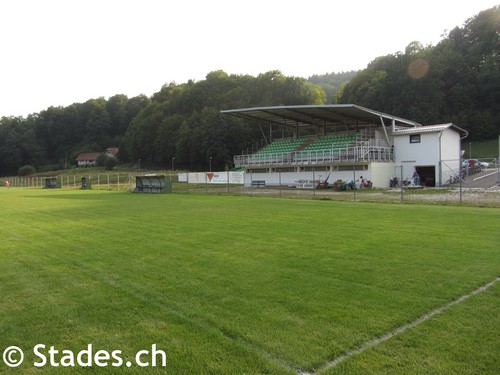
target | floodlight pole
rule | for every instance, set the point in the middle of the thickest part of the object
(173, 158)
(210, 164)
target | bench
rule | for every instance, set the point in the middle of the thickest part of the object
(259, 183)
(152, 184)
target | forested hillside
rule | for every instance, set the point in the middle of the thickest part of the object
(55, 136)
(332, 82)
(181, 121)
(458, 81)
(184, 121)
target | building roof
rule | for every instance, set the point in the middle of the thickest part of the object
(88, 156)
(310, 115)
(431, 129)
(113, 150)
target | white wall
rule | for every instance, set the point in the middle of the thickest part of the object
(381, 173)
(424, 153)
(378, 173)
(288, 178)
(450, 154)
(212, 177)
(409, 155)
(86, 162)
(438, 149)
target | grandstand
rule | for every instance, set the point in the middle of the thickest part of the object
(343, 139)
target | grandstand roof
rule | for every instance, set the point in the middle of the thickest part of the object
(308, 115)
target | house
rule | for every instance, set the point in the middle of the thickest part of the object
(90, 158)
(112, 152)
(87, 159)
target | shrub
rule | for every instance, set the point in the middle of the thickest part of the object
(109, 163)
(26, 170)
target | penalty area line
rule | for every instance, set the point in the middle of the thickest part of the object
(378, 340)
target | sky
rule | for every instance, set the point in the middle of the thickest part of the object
(59, 52)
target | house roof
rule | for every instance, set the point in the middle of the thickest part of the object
(88, 156)
(431, 129)
(113, 150)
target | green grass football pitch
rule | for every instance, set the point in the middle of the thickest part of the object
(233, 285)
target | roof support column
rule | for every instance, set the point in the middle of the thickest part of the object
(385, 131)
(263, 134)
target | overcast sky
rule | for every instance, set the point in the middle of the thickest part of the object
(58, 52)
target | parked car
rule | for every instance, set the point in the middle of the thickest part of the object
(475, 163)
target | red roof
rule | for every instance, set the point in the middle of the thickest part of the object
(88, 156)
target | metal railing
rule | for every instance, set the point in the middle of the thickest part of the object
(362, 151)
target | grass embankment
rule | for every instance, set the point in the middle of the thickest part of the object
(248, 285)
(480, 149)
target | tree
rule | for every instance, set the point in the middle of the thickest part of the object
(184, 121)
(331, 83)
(109, 163)
(456, 81)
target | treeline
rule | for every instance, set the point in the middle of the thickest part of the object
(184, 121)
(54, 137)
(331, 83)
(181, 121)
(456, 81)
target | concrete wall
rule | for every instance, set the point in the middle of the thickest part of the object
(378, 173)
(381, 173)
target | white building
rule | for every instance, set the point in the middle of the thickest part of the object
(433, 151)
(305, 145)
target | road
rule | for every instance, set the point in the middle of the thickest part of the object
(486, 179)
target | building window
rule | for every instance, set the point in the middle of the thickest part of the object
(415, 138)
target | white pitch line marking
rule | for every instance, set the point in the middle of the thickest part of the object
(486, 175)
(378, 340)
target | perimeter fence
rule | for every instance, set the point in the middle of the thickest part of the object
(463, 191)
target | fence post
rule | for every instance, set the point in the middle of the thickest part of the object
(460, 174)
(313, 183)
(498, 167)
(401, 183)
(279, 174)
(251, 182)
(354, 182)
